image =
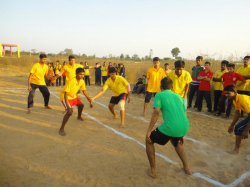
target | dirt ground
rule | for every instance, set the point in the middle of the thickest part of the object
(99, 153)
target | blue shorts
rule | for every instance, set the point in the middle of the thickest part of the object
(240, 127)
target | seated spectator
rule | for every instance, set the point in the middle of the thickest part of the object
(139, 83)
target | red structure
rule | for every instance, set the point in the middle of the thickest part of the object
(8, 45)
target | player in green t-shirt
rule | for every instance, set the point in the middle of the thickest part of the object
(174, 127)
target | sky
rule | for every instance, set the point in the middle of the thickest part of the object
(217, 28)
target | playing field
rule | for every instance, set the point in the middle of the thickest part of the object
(99, 153)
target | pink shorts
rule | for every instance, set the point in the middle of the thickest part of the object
(72, 102)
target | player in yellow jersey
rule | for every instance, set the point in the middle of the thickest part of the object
(36, 80)
(69, 99)
(121, 90)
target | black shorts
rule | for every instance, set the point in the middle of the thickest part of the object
(116, 100)
(148, 96)
(160, 138)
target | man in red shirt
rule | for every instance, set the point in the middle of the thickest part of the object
(229, 78)
(204, 88)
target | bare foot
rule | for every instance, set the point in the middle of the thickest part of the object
(61, 132)
(151, 174)
(115, 116)
(48, 107)
(122, 126)
(29, 111)
(187, 171)
(234, 152)
(81, 118)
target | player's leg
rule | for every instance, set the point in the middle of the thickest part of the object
(31, 97)
(44, 90)
(112, 110)
(147, 100)
(180, 151)
(65, 119)
(80, 108)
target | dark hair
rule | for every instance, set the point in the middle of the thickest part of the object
(179, 64)
(225, 62)
(156, 59)
(57, 61)
(81, 62)
(231, 66)
(166, 83)
(71, 57)
(199, 58)
(230, 88)
(79, 70)
(112, 70)
(208, 63)
(64, 62)
(166, 64)
(42, 56)
(144, 75)
(247, 58)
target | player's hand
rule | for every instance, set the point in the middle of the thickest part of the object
(129, 99)
(245, 134)
(90, 104)
(230, 129)
(148, 137)
(182, 141)
(89, 99)
(29, 88)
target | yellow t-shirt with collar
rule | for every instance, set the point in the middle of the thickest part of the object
(118, 86)
(70, 71)
(217, 75)
(179, 83)
(104, 70)
(38, 72)
(243, 71)
(154, 79)
(71, 87)
(242, 102)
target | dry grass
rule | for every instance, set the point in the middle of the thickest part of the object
(134, 70)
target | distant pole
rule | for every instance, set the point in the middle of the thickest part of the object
(1, 53)
(18, 51)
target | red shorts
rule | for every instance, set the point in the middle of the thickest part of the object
(72, 102)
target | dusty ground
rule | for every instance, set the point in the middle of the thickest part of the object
(32, 153)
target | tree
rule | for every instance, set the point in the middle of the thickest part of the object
(122, 56)
(175, 52)
(135, 57)
(127, 57)
(68, 51)
(84, 56)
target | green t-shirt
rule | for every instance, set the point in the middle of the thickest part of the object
(173, 111)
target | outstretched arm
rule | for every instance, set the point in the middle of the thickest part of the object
(236, 118)
(129, 92)
(88, 98)
(98, 95)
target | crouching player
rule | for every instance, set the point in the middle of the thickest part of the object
(121, 90)
(174, 127)
(241, 102)
(69, 99)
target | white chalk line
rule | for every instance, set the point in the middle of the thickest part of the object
(146, 121)
(197, 175)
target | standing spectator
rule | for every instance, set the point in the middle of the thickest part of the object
(64, 73)
(166, 68)
(118, 69)
(229, 78)
(218, 87)
(51, 74)
(122, 70)
(205, 77)
(98, 74)
(154, 76)
(104, 69)
(194, 86)
(181, 80)
(109, 66)
(57, 70)
(244, 71)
